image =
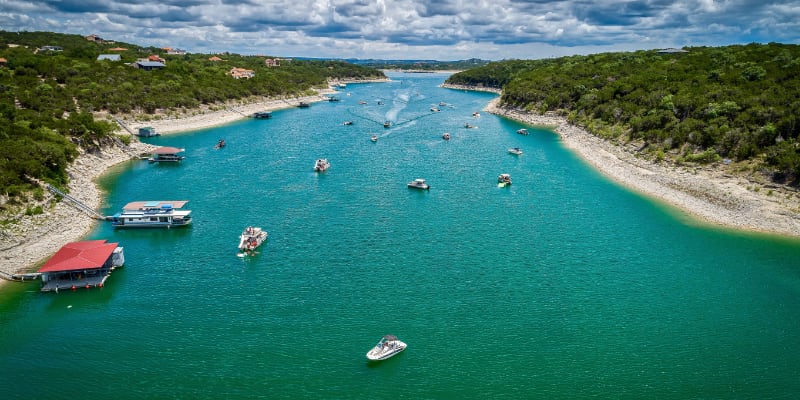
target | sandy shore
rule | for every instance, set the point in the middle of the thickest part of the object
(708, 193)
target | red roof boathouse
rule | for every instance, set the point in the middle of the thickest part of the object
(81, 264)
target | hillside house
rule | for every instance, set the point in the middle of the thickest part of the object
(272, 62)
(148, 65)
(109, 57)
(241, 73)
(214, 58)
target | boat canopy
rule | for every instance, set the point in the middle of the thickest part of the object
(150, 205)
(167, 150)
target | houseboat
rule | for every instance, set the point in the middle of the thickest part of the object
(153, 214)
(81, 265)
(147, 131)
(166, 154)
(303, 104)
(262, 115)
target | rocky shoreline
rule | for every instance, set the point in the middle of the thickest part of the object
(710, 194)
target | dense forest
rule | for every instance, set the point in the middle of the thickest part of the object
(52, 85)
(699, 105)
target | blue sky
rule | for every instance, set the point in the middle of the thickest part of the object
(413, 29)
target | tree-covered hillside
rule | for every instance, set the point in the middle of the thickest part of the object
(48, 97)
(702, 105)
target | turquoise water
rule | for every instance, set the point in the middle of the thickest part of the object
(563, 285)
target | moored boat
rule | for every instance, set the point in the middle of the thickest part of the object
(347, 123)
(503, 180)
(262, 115)
(446, 136)
(387, 347)
(251, 238)
(418, 183)
(515, 150)
(303, 104)
(322, 165)
(522, 131)
(374, 138)
(153, 214)
(469, 126)
(387, 124)
(166, 154)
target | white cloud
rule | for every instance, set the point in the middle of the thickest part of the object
(440, 29)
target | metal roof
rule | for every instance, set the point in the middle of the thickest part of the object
(73, 256)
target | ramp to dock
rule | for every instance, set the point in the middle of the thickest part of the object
(75, 202)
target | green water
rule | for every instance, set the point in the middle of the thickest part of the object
(563, 285)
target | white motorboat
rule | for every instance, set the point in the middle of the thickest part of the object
(374, 138)
(418, 183)
(515, 150)
(446, 136)
(387, 347)
(522, 131)
(503, 180)
(321, 165)
(251, 238)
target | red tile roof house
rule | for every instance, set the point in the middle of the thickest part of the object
(81, 264)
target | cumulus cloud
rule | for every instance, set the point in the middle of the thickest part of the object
(413, 29)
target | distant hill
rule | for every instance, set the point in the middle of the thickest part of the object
(416, 65)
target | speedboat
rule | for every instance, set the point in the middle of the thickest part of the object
(515, 150)
(418, 183)
(387, 347)
(435, 109)
(503, 180)
(522, 131)
(220, 144)
(347, 123)
(374, 138)
(321, 165)
(446, 136)
(251, 238)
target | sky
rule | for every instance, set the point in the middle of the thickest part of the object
(444, 30)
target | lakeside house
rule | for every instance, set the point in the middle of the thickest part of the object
(81, 264)
(241, 73)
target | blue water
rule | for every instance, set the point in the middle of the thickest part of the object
(563, 285)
